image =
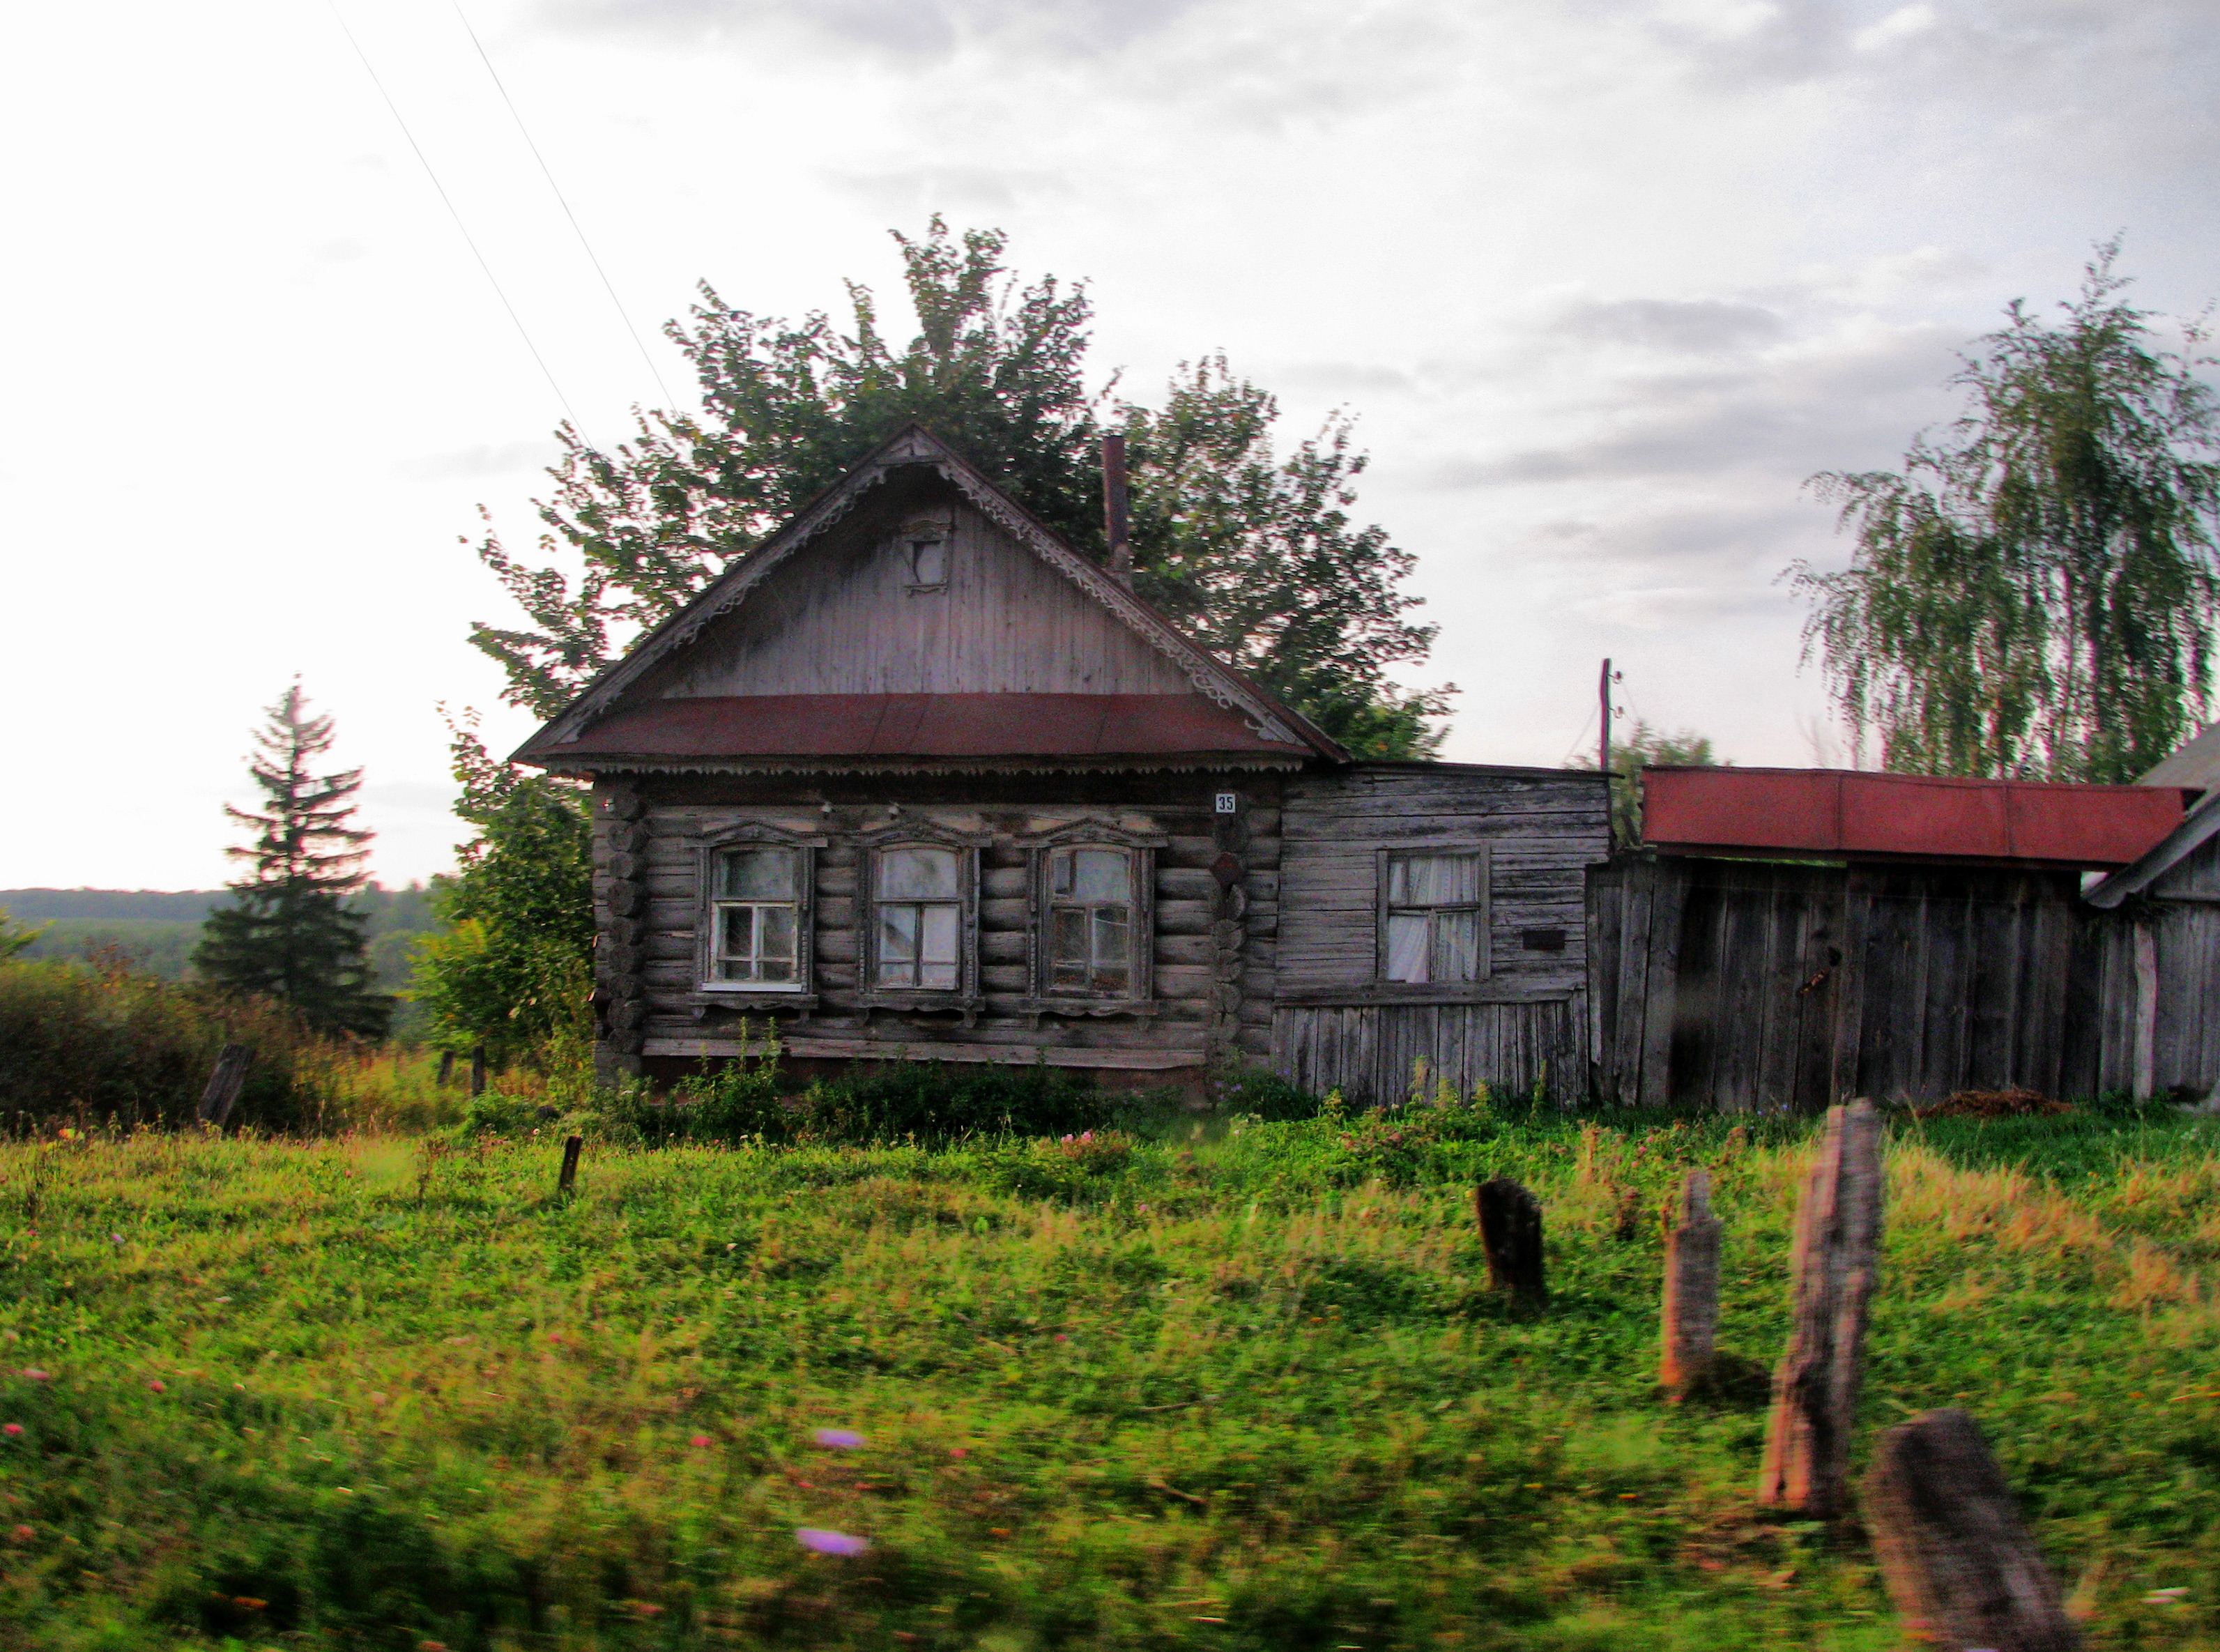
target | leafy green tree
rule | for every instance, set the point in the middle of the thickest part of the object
(1646, 747)
(2034, 595)
(1256, 552)
(512, 967)
(14, 938)
(288, 933)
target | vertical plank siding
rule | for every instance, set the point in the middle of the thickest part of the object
(1528, 1024)
(1741, 986)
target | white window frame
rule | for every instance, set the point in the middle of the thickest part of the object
(1485, 960)
(756, 834)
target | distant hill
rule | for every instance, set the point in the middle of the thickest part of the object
(155, 930)
(112, 906)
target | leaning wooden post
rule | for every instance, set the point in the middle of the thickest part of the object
(1958, 1562)
(1692, 1289)
(225, 1083)
(477, 1070)
(569, 1179)
(1511, 1233)
(1814, 1391)
(447, 1069)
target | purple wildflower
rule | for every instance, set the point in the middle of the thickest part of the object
(829, 1543)
(840, 1439)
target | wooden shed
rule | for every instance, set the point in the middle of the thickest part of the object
(2159, 989)
(1792, 938)
(915, 779)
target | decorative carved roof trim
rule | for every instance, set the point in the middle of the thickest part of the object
(915, 446)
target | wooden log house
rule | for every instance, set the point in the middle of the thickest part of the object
(915, 779)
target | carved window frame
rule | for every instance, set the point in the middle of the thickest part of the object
(919, 834)
(1140, 997)
(1383, 860)
(918, 530)
(749, 834)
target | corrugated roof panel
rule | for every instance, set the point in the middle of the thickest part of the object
(1841, 814)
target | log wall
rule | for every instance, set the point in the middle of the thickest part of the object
(2159, 986)
(1212, 964)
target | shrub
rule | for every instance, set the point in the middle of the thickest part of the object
(95, 1044)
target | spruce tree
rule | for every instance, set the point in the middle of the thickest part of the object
(288, 933)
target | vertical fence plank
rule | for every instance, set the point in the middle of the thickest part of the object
(1958, 1562)
(226, 1081)
(1691, 1288)
(1814, 1391)
(1510, 1234)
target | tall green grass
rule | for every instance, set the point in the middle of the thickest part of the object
(1239, 1386)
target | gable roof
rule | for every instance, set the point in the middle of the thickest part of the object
(595, 727)
(2196, 766)
(2198, 828)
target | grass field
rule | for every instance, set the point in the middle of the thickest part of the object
(1240, 1388)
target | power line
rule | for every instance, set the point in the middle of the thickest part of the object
(576, 229)
(468, 239)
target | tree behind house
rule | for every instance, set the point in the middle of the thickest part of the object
(1645, 748)
(289, 934)
(1250, 548)
(2034, 595)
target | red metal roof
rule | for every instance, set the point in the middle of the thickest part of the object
(1842, 814)
(915, 726)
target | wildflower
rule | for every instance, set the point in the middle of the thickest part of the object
(699, 1439)
(24, 1534)
(829, 1543)
(957, 1451)
(12, 1430)
(115, 1238)
(1060, 1338)
(156, 1387)
(36, 1374)
(839, 1439)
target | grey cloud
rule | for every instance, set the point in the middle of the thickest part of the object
(1343, 378)
(490, 458)
(1787, 419)
(902, 30)
(1697, 326)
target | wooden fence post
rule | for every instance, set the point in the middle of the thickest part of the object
(1691, 1288)
(227, 1079)
(446, 1070)
(477, 1071)
(1511, 1233)
(1814, 1391)
(569, 1179)
(1958, 1563)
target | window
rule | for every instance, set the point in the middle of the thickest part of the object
(1090, 922)
(919, 897)
(1434, 917)
(924, 545)
(756, 918)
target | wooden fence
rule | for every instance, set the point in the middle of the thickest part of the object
(1740, 984)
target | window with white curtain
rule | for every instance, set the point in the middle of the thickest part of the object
(919, 893)
(1090, 922)
(1434, 917)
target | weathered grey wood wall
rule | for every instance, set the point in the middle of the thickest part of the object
(1213, 968)
(2159, 983)
(1339, 1027)
(846, 621)
(1738, 985)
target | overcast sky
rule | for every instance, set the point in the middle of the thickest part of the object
(1603, 283)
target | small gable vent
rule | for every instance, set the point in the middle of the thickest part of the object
(925, 544)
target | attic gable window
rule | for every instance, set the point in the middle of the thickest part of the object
(1434, 916)
(924, 547)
